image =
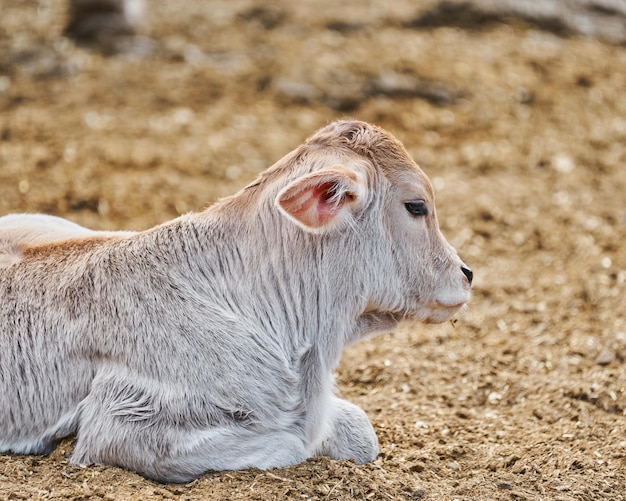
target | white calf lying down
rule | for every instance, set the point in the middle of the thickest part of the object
(209, 342)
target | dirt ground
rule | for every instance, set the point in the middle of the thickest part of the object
(523, 133)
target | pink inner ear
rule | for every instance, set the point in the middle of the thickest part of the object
(314, 206)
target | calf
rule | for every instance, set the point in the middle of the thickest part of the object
(209, 342)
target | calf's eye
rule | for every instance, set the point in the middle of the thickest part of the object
(418, 208)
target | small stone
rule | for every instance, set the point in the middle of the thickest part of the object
(233, 172)
(158, 491)
(605, 357)
(391, 83)
(417, 468)
(563, 163)
(297, 90)
(494, 397)
(419, 493)
(5, 83)
(504, 485)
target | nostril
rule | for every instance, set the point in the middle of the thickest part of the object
(468, 273)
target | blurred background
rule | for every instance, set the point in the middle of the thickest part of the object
(121, 119)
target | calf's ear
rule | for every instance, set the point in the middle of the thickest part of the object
(323, 200)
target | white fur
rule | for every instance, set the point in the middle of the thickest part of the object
(209, 342)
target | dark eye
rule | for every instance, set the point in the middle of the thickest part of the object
(418, 208)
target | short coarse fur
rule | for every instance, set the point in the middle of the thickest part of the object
(209, 342)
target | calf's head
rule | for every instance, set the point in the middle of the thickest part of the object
(354, 188)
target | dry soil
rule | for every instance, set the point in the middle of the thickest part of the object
(523, 133)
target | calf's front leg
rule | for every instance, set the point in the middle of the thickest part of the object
(130, 422)
(350, 434)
